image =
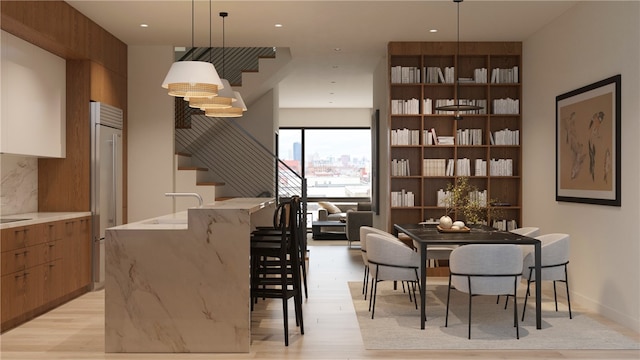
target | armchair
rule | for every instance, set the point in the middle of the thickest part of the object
(362, 216)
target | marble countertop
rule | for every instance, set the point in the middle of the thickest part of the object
(179, 220)
(40, 217)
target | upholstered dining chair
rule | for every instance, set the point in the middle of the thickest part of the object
(485, 270)
(390, 259)
(554, 261)
(364, 231)
(529, 231)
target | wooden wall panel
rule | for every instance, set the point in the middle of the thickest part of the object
(64, 184)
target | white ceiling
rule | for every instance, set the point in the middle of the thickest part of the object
(321, 77)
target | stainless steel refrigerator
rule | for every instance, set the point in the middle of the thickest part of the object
(106, 180)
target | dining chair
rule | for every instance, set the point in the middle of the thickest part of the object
(364, 231)
(389, 259)
(485, 270)
(529, 231)
(554, 262)
(275, 264)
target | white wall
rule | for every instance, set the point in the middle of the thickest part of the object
(150, 133)
(590, 42)
(311, 117)
(381, 102)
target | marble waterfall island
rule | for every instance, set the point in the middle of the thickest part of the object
(180, 282)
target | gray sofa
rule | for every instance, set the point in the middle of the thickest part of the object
(355, 216)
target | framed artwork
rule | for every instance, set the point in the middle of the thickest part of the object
(588, 144)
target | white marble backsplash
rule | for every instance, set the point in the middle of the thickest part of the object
(19, 187)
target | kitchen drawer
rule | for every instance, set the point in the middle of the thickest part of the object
(30, 256)
(22, 236)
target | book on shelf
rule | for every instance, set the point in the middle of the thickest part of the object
(506, 106)
(480, 75)
(434, 136)
(405, 137)
(400, 167)
(480, 167)
(469, 136)
(463, 167)
(445, 140)
(427, 106)
(402, 198)
(433, 167)
(405, 75)
(507, 137)
(501, 167)
(405, 107)
(505, 76)
(505, 225)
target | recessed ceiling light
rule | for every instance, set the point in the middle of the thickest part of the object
(335, 66)
(433, 30)
(278, 25)
(337, 49)
(144, 25)
(333, 82)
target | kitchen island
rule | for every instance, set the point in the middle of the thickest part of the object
(180, 282)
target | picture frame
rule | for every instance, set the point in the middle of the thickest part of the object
(588, 131)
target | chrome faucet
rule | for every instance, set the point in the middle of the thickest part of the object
(196, 195)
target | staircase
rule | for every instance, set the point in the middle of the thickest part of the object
(189, 178)
(223, 147)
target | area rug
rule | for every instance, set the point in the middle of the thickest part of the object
(397, 324)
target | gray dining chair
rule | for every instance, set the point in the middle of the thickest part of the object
(554, 262)
(390, 259)
(529, 231)
(485, 270)
(364, 231)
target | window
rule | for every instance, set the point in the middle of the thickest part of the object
(336, 162)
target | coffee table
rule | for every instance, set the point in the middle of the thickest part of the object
(317, 234)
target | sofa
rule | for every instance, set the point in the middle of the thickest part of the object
(354, 216)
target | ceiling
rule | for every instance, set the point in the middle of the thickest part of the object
(322, 76)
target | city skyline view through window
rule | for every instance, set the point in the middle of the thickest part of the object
(337, 162)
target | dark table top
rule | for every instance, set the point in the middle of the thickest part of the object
(478, 234)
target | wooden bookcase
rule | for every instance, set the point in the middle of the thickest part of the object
(414, 177)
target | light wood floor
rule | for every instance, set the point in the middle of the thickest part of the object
(76, 329)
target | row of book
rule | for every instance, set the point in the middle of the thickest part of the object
(400, 167)
(405, 75)
(505, 76)
(482, 103)
(451, 167)
(463, 137)
(469, 136)
(501, 167)
(443, 198)
(405, 137)
(506, 106)
(504, 225)
(405, 107)
(446, 75)
(412, 106)
(434, 75)
(402, 198)
(506, 137)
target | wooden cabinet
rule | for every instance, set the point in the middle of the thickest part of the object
(484, 146)
(42, 266)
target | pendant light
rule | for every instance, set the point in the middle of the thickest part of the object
(225, 96)
(456, 106)
(238, 107)
(192, 78)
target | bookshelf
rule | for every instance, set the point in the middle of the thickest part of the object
(484, 146)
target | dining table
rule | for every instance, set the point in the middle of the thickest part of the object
(426, 234)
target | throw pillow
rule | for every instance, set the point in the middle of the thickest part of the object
(331, 209)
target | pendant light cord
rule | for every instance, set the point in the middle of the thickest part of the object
(223, 15)
(192, 27)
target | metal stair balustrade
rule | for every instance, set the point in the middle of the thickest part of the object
(236, 59)
(236, 158)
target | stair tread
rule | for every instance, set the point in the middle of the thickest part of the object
(209, 183)
(192, 168)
